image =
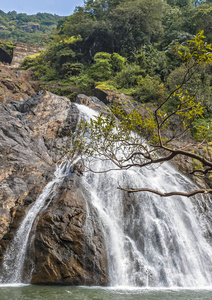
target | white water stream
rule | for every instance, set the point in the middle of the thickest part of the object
(14, 257)
(150, 241)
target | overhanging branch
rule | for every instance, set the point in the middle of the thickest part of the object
(193, 193)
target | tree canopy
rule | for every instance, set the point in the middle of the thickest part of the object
(31, 29)
(134, 141)
(130, 47)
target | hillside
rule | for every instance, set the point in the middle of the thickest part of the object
(141, 50)
(128, 49)
(31, 29)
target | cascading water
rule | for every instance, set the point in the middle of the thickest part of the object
(14, 258)
(151, 241)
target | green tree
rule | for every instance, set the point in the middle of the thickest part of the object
(114, 26)
(106, 65)
(201, 18)
(108, 137)
(175, 25)
(25, 28)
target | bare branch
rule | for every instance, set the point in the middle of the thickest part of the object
(204, 172)
(193, 193)
(198, 157)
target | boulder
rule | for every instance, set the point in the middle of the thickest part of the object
(15, 85)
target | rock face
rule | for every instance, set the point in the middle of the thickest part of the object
(68, 247)
(31, 27)
(14, 85)
(22, 50)
(4, 56)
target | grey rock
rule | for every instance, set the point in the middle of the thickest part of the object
(33, 133)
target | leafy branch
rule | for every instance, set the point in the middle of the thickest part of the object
(128, 139)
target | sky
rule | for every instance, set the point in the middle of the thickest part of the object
(59, 7)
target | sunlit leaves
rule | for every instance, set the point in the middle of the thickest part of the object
(197, 51)
(204, 132)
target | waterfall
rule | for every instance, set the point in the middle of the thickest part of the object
(150, 241)
(14, 258)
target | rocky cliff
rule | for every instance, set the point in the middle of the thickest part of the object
(22, 50)
(15, 85)
(32, 134)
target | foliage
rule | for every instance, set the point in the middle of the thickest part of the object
(152, 60)
(149, 89)
(128, 47)
(29, 61)
(102, 69)
(201, 19)
(127, 78)
(114, 26)
(107, 65)
(107, 136)
(7, 46)
(31, 29)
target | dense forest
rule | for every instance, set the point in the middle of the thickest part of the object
(31, 29)
(127, 47)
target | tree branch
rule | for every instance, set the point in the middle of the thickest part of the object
(193, 193)
(204, 172)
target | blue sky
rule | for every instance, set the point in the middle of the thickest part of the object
(59, 7)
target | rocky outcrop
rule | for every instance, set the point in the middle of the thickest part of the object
(31, 27)
(15, 85)
(68, 247)
(67, 240)
(22, 50)
(109, 97)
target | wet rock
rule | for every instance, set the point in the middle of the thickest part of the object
(68, 247)
(92, 102)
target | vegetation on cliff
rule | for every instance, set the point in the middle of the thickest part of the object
(137, 49)
(7, 46)
(117, 46)
(31, 29)
(126, 48)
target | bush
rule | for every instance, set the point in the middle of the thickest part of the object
(106, 65)
(85, 83)
(68, 69)
(30, 61)
(102, 69)
(128, 77)
(50, 74)
(117, 62)
(149, 89)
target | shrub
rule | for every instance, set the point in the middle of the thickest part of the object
(128, 77)
(30, 61)
(102, 69)
(50, 74)
(149, 89)
(117, 62)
